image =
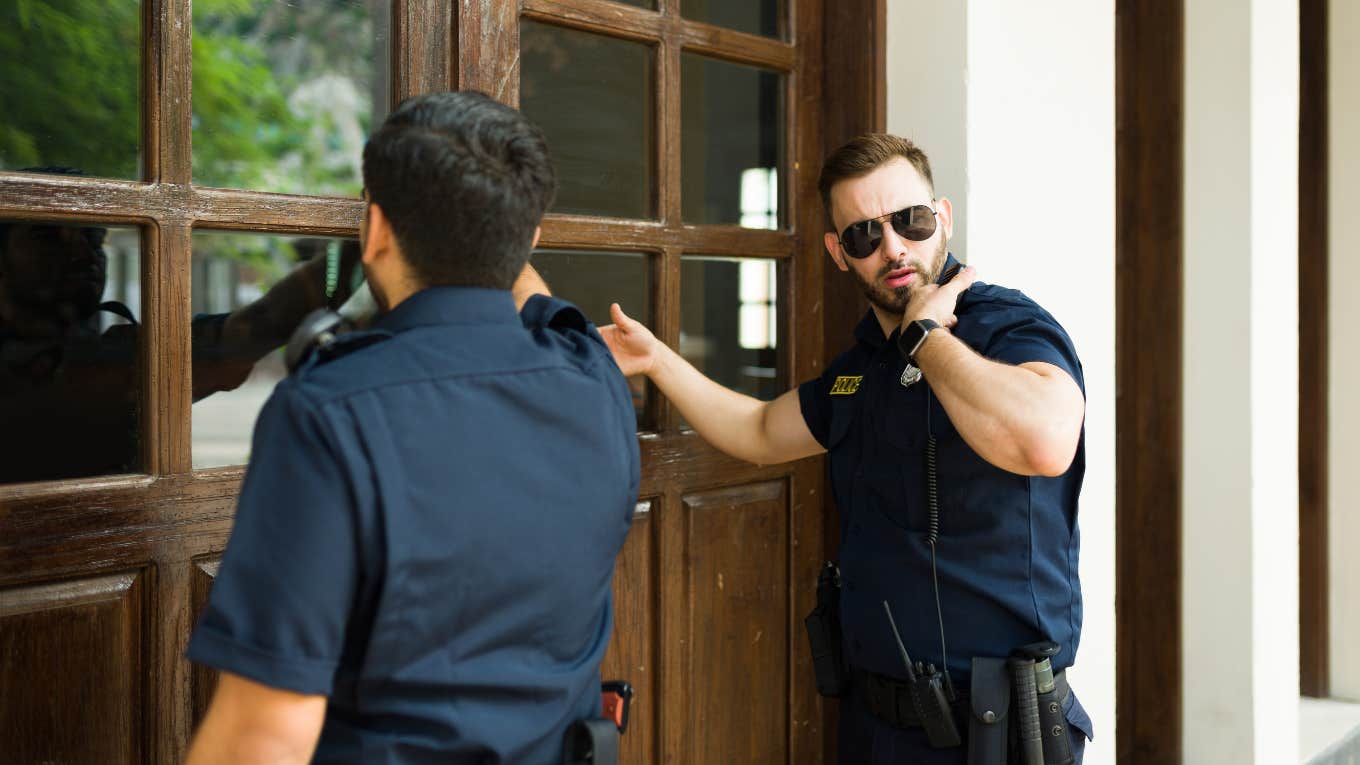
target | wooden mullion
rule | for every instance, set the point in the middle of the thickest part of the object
(488, 48)
(666, 315)
(581, 231)
(165, 347)
(669, 127)
(96, 200)
(277, 213)
(599, 16)
(173, 114)
(738, 47)
(423, 46)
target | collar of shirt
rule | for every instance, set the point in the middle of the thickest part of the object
(451, 305)
(871, 334)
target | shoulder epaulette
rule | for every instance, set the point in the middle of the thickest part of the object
(340, 345)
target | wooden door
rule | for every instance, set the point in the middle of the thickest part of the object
(701, 215)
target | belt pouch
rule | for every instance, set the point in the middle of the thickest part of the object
(989, 704)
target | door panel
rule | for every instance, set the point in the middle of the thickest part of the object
(203, 679)
(632, 646)
(73, 655)
(739, 583)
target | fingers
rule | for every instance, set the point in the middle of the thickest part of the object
(961, 282)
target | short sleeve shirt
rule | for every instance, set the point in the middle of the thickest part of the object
(1007, 549)
(427, 533)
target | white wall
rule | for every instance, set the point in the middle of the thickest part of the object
(1344, 339)
(1029, 122)
(1240, 476)
(927, 73)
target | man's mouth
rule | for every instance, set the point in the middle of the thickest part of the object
(900, 277)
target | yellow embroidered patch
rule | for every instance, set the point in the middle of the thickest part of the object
(846, 385)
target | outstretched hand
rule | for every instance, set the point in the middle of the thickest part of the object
(633, 345)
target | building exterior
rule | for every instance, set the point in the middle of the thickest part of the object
(1171, 182)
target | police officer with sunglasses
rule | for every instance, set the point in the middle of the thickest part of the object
(954, 429)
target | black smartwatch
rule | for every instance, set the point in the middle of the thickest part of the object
(912, 336)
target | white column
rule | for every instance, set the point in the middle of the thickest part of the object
(1240, 491)
(1021, 103)
(926, 88)
(1344, 338)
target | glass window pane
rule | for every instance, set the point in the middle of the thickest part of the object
(592, 96)
(70, 381)
(249, 292)
(593, 280)
(759, 17)
(285, 93)
(732, 143)
(728, 315)
(70, 86)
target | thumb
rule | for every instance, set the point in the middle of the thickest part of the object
(620, 318)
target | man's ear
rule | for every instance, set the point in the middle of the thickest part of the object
(833, 246)
(378, 234)
(538, 231)
(946, 211)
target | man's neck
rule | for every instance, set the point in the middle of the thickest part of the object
(887, 320)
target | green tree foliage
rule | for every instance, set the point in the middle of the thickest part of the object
(284, 94)
(69, 85)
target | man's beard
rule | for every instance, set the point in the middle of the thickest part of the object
(895, 299)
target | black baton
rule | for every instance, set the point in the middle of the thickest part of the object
(1027, 709)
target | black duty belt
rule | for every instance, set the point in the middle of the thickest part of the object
(889, 699)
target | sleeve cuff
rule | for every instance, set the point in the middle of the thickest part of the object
(308, 676)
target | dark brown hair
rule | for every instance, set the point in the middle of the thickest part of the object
(861, 155)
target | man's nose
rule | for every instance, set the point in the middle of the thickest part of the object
(893, 247)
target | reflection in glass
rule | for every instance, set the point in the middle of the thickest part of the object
(732, 142)
(249, 292)
(593, 280)
(285, 93)
(759, 17)
(728, 315)
(70, 86)
(70, 382)
(591, 95)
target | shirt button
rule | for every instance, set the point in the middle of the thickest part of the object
(854, 527)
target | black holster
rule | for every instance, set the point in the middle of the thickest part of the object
(824, 635)
(591, 742)
(989, 701)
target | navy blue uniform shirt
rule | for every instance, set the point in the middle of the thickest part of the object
(427, 533)
(1007, 550)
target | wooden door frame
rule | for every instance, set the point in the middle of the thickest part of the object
(1149, 92)
(1314, 621)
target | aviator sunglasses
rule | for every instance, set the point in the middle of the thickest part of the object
(915, 223)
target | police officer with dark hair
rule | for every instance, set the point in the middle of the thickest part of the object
(954, 429)
(420, 566)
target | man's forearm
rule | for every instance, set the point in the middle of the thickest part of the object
(1017, 418)
(747, 428)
